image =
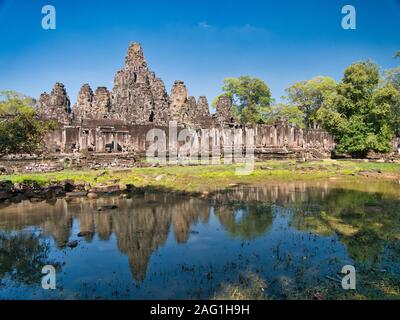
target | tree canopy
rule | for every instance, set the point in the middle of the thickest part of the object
(392, 78)
(309, 95)
(20, 130)
(289, 112)
(12, 102)
(251, 98)
(359, 112)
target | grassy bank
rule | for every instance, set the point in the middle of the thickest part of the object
(218, 177)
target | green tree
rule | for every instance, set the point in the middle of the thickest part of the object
(288, 112)
(358, 114)
(12, 102)
(392, 78)
(20, 130)
(251, 98)
(309, 95)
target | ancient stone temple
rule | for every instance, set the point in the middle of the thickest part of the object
(117, 120)
(138, 97)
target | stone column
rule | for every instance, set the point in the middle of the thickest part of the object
(301, 138)
(291, 137)
(99, 142)
(115, 142)
(274, 136)
(63, 139)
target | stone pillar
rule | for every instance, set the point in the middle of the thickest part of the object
(115, 141)
(78, 139)
(274, 136)
(291, 137)
(301, 138)
(83, 137)
(63, 139)
(99, 142)
(281, 136)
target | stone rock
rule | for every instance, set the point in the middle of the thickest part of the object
(101, 105)
(55, 105)
(4, 195)
(160, 112)
(6, 186)
(110, 207)
(178, 102)
(87, 186)
(72, 244)
(224, 110)
(56, 190)
(84, 234)
(135, 58)
(83, 106)
(191, 113)
(160, 177)
(76, 194)
(130, 187)
(27, 187)
(202, 107)
(92, 106)
(6, 170)
(68, 185)
(92, 195)
(105, 189)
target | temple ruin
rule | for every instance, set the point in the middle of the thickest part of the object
(116, 121)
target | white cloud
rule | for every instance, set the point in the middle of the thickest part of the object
(245, 29)
(241, 29)
(204, 25)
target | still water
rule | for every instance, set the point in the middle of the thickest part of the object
(293, 238)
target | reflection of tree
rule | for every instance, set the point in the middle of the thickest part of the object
(54, 217)
(255, 220)
(364, 246)
(364, 222)
(22, 257)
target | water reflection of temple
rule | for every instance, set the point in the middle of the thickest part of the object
(141, 225)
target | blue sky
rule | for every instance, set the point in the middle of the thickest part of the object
(199, 42)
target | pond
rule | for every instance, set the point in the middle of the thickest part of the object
(276, 241)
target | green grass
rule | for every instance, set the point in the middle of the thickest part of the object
(203, 178)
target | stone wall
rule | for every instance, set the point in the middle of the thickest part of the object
(116, 137)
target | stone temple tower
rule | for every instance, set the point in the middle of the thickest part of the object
(138, 96)
(55, 105)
